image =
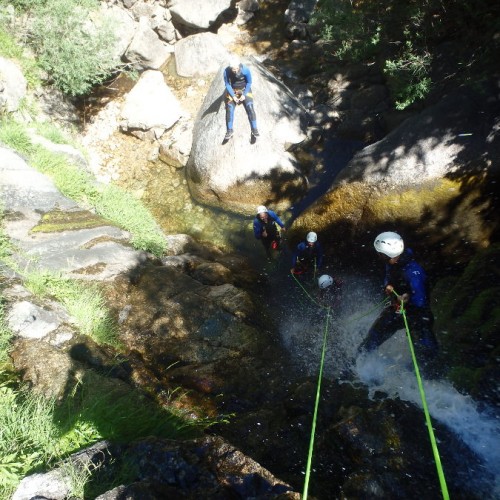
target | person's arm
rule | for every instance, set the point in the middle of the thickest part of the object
(276, 219)
(227, 82)
(248, 77)
(416, 280)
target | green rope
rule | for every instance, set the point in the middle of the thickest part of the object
(315, 415)
(435, 451)
(378, 305)
(314, 301)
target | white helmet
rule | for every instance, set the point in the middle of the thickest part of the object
(390, 244)
(325, 281)
(261, 209)
(312, 237)
(234, 61)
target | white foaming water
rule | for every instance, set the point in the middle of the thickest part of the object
(388, 369)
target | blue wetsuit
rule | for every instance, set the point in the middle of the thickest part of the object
(406, 276)
(239, 83)
(270, 227)
(307, 256)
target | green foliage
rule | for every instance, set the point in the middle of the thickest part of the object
(27, 435)
(69, 179)
(5, 336)
(110, 202)
(404, 35)
(76, 53)
(36, 433)
(11, 49)
(408, 76)
(114, 411)
(117, 205)
(14, 135)
(355, 35)
(84, 302)
(362, 30)
(53, 133)
(27, 5)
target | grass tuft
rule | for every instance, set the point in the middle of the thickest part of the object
(14, 135)
(83, 301)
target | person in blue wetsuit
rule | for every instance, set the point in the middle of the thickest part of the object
(308, 255)
(405, 283)
(238, 82)
(265, 228)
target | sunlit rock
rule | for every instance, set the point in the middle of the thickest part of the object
(13, 85)
(243, 173)
(200, 54)
(197, 14)
(436, 173)
(150, 105)
(146, 50)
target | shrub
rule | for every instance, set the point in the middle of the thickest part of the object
(361, 31)
(408, 76)
(76, 53)
(355, 33)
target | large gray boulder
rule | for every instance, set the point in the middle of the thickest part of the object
(438, 169)
(150, 105)
(197, 14)
(200, 54)
(146, 50)
(243, 173)
(52, 232)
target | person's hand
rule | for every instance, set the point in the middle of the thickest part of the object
(389, 289)
(242, 97)
(292, 271)
(264, 233)
(283, 229)
(404, 298)
(235, 99)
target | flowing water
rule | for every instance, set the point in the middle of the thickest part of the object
(303, 322)
(387, 370)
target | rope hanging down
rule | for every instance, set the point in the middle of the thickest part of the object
(435, 451)
(316, 405)
(318, 387)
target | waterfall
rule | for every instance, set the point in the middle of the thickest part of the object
(388, 370)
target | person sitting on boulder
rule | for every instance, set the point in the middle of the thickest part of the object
(308, 255)
(265, 229)
(238, 82)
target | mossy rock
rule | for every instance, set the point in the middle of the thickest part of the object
(58, 220)
(467, 312)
